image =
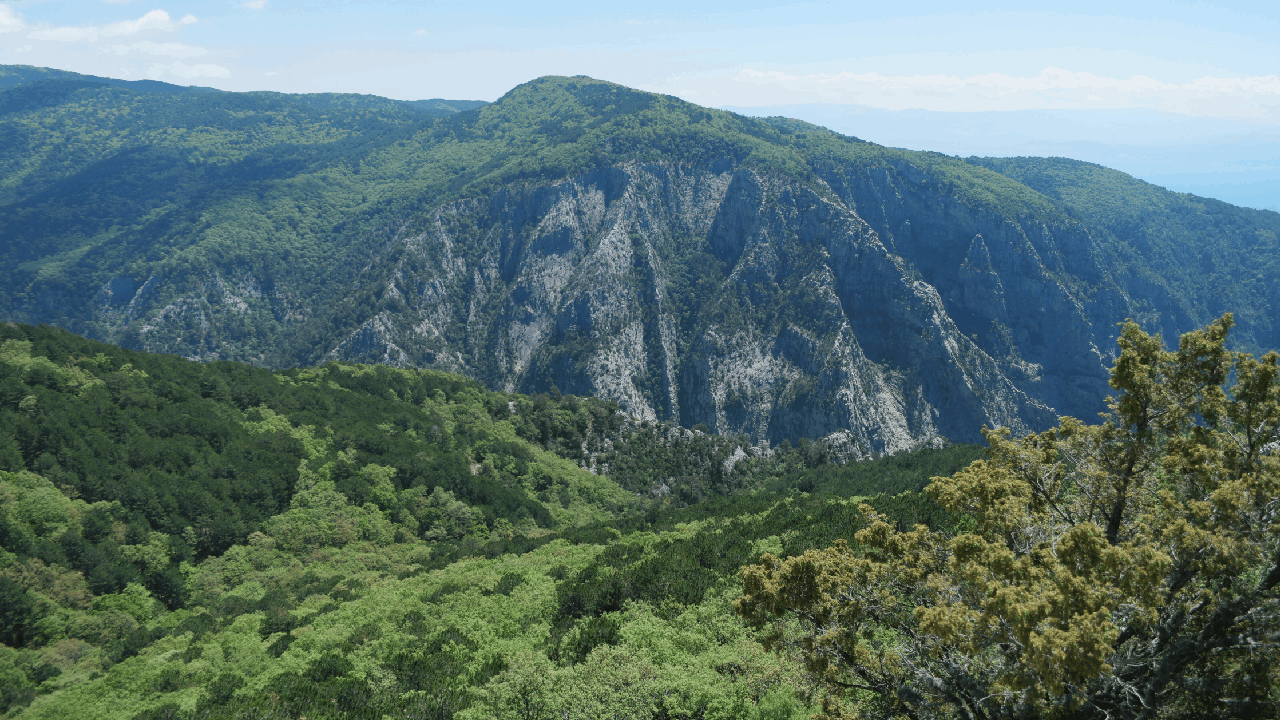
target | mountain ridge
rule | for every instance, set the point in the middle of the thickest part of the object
(758, 276)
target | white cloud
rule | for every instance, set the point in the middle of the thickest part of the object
(189, 19)
(187, 72)
(10, 21)
(24, 48)
(421, 31)
(255, 4)
(156, 20)
(176, 50)
(1054, 88)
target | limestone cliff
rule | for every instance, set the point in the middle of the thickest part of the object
(816, 322)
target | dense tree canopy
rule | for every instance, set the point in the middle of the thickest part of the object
(207, 540)
(1127, 569)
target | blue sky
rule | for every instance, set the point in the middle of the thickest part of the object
(1218, 59)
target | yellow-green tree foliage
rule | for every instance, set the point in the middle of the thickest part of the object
(1122, 570)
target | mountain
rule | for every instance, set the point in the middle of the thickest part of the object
(763, 277)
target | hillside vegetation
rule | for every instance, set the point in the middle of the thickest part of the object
(214, 540)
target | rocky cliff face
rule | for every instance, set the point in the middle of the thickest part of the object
(870, 309)
(874, 309)
(1039, 300)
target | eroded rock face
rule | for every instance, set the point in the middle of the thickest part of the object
(805, 320)
(1041, 300)
(868, 305)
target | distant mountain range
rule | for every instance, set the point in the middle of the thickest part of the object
(760, 276)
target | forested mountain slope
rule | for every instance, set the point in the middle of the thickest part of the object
(208, 540)
(759, 277)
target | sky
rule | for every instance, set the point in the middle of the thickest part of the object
(1213, 62)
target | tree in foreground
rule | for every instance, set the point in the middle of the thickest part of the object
(1121, 570)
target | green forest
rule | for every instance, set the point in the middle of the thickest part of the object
(188, 540)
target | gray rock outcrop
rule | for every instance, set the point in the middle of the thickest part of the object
(817, 322)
